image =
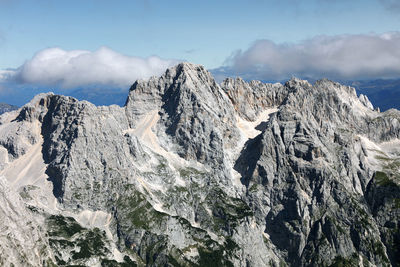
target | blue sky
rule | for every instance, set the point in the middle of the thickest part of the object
(205, 32)
(222, 35)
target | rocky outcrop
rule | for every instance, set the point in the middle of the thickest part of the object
(195, 114)
(22, 240)
(250, 99)
(190, 172)
(312, 166)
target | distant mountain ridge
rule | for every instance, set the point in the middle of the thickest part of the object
(6, 108)
(384, 94)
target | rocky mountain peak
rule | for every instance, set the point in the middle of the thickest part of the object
(184, 80)
(190, 71)
(188, 100)
(184, 72)
(296, 83)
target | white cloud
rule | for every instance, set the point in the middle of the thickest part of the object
(5, 74)
(336, 57)
(74, 68)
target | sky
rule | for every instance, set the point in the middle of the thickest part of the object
(65, 45)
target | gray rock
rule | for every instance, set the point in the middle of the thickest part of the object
(190, 172)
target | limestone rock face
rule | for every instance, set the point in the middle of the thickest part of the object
(195, 113)
(194, 173)
(250, 99)
(22, 241)
(314, 165)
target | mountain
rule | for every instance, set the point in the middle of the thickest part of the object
(195, 173)
(384, 94)
(6, 108)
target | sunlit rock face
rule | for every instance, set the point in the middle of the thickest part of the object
(194, 173)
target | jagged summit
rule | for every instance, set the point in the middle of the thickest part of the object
(189, 69)
(187, 99)
(194, 173)
(184, 71)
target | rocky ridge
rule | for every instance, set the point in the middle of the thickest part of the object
(194, 173)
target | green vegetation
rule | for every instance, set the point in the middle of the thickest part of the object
(25, 193)
(50, 263)
(227, 211)
(154, 249)
(161, 168)
(339, 261)
(189, 172)
(390, 174)
(91, 244)
(63, 226)
(212, 258)
(397, 203)
(62, 243)
(76, 195)
(253, 188)
(210, 252)
(382, 179)
(383, 157)
(32, 208)
(379, 250)
(139, 211)
(362, 217)
(81, 243)
(230, 245)
(173, 261)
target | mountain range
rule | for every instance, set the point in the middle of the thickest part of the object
(384, 94)
(190, 172)
(6, 108)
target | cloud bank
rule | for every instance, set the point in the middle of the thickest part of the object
(336, 57)
(75, 68)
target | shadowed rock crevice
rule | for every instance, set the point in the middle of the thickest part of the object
(381, 195)
(54, 172)
(246, 164)
(58, 123)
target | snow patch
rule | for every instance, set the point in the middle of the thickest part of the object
(375, 151)
(392, 148)
(118, 256)
(29, 170)
(159, 207)
(248, 128)
(92, 219)
(146, 135)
